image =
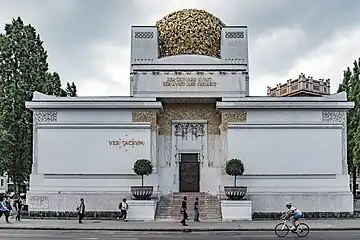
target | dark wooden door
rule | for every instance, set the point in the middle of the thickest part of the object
(189, 173)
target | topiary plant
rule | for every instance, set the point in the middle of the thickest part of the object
(143, 167)
(234, 167)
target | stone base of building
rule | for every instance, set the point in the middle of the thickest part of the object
(321, 202)
(99, 205)
(90, 215)
(236, 210)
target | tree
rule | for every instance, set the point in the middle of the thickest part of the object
(351, 85)
(143, 167)
(234, 167)
(23, 70)
(71, 89)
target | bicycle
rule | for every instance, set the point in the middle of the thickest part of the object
(302, 230)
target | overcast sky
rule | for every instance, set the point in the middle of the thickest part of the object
(88, 41)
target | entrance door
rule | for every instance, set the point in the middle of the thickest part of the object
(189, 173)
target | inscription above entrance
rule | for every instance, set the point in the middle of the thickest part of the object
(189, 82)
(189, 171)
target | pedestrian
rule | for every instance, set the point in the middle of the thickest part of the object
(8, 206)
(196, 210)
(4, 210)
(81, 210)
(123, 206)
(184, 211)
(18, 207)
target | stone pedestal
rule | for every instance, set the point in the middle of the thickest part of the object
(236, 210)
(141, 210)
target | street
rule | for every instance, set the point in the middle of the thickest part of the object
(13, 234)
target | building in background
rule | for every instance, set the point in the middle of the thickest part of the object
(301, 87)
(3, 185)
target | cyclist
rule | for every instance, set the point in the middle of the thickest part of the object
(293, 213)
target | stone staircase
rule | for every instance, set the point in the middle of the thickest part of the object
(169, 206)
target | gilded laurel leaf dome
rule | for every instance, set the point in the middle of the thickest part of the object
(189, 31)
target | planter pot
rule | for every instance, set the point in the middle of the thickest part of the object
(235, 193)
(142, 192)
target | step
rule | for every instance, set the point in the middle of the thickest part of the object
(169, 206)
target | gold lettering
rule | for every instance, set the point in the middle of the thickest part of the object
(123, 143)
(189, 82)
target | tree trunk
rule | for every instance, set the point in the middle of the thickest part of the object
(17, 188)
(235, 181)
(142, 180)
(354, 177)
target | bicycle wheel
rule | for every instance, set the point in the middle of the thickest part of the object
(282, 230)
(303, 230)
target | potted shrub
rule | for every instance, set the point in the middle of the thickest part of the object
(142, 167)
(235, 167)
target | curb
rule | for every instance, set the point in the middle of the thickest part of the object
(169, 229)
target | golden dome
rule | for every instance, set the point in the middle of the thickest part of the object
(189, 31)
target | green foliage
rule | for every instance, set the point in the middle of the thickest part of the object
(70, 90)
(23, 70)
(143, 167)
(351, 85)
(234, 167)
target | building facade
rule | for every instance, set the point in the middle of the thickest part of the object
(301, 87)
(190, 103)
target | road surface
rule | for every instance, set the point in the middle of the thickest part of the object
(112, 235)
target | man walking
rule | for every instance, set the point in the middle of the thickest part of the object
(4, 210)
(184, 211)
(123, 206)
(18, 205)
(81, 210)
(196, 210)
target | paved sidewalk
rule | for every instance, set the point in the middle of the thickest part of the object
(167, 226)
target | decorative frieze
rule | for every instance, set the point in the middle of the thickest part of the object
(232, 116)
(44, 117)
(234, 34)
(333, 117)
(144, 34)
(189, 111)
(145, 116)
(195, 129)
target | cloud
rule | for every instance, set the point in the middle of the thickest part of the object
(111, 63)
(329, 60)
(89, 41)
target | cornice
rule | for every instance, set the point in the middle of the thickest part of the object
(284, 105)
(95, 125)
(92, 105)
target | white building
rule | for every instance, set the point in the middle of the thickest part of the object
(190, 98)
(3, 185)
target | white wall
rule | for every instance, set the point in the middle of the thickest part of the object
(288, 116)
(88, 151)
(215, 85)
(285, 149)
(91, 116)
(3, 184)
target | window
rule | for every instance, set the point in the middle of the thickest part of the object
(2, 183)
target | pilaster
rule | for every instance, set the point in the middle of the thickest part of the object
(226, 118)
(339, 117)
(40, 117)
(151, 117)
